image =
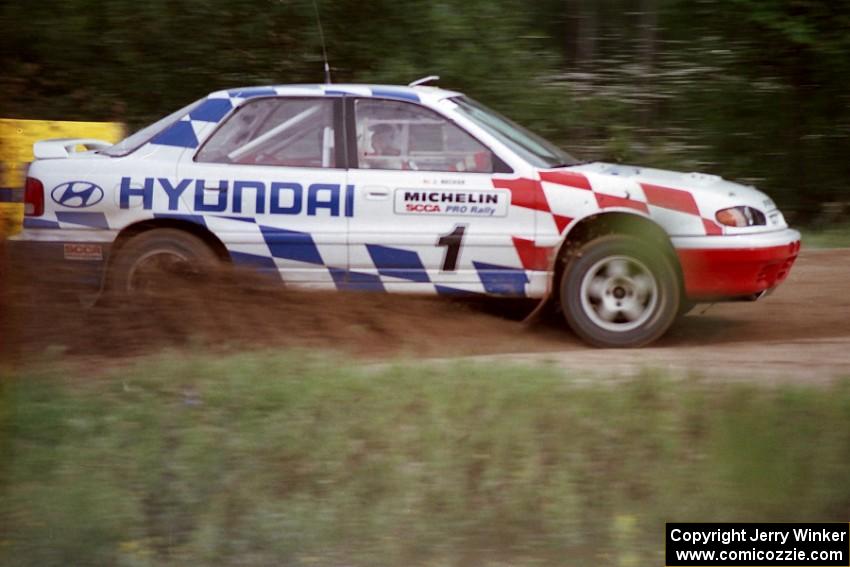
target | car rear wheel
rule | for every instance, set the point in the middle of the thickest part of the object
(154, 262)
(618, 292)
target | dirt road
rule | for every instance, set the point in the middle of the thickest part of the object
(801, 332)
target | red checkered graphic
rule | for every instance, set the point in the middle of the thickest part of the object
(561, 222)
(529, 193)
(533, 257)
(606, 201)
(525, 192)
(669, 198)
(568, 178)
(678, 200)
(712, 228)
(674, 199)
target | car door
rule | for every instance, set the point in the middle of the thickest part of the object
(427, 215)
(270, 185)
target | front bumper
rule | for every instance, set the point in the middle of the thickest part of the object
(730, 267)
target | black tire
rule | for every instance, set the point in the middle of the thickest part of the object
(618, 292)
(685, 307)
(170, 255)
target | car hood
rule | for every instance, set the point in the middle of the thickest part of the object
(710, 191)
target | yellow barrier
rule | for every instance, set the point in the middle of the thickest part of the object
(16, 140)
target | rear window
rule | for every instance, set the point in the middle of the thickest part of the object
(140, 138)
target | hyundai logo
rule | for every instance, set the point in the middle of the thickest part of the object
(77, 194)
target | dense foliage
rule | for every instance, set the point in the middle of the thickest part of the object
(755, 90)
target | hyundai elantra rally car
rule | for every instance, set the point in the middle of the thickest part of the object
(402, 190)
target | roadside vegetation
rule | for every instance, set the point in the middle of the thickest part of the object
(287, 458)
(827, 236)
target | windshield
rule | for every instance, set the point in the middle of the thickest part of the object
(135, 141)
(536, 150)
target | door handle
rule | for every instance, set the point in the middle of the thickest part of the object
(377, 193)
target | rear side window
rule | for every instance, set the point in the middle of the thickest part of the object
(289, 132)
(401, 135)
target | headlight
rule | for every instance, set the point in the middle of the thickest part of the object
(741, 216)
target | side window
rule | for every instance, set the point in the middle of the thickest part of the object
(275, 131)
(402, 135)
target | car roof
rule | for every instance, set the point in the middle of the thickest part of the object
(419, 93)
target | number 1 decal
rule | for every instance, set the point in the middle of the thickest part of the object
(452, 241)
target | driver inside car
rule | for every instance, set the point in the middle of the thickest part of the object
(383, 140)
(386, 153)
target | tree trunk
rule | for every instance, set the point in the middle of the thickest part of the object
(581, 34)
(648, 26)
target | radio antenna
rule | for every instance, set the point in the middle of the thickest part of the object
(322, 37)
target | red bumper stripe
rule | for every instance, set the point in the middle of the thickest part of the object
(719, 273)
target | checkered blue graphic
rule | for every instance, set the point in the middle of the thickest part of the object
(394, 269)
(397, 263)
(181, 134)
(91, 220)
(70, 220)
(30, 222)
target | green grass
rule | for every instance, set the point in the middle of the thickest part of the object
(830, 236)
(290, 459)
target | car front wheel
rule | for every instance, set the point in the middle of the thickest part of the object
(617, 292)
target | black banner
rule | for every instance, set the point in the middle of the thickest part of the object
(758, 545)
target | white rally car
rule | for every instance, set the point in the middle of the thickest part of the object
(404, 190)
